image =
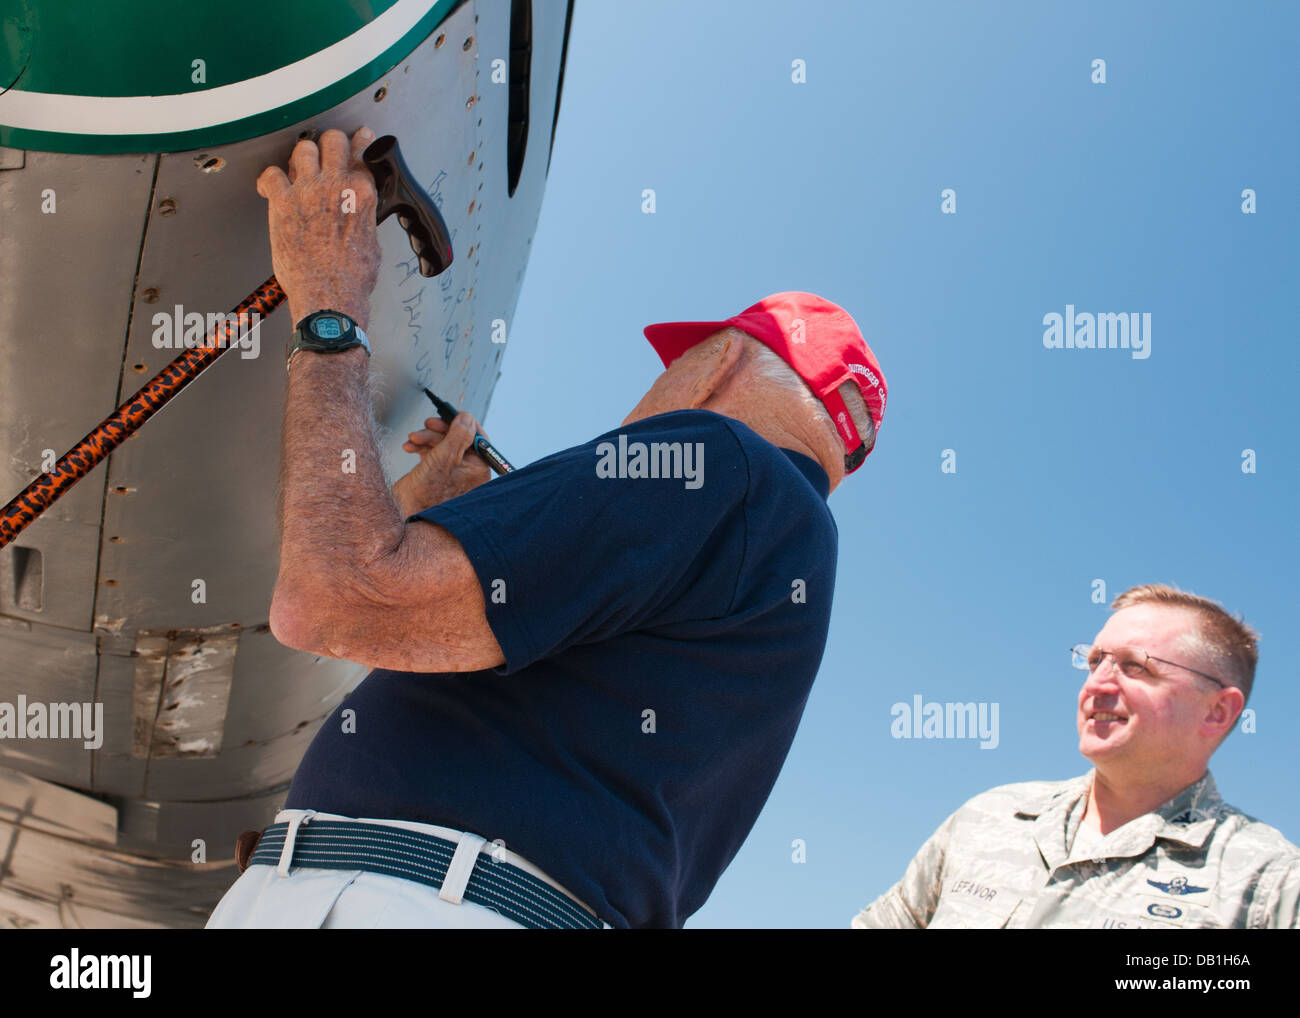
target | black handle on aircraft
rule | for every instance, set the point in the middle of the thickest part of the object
(399, 193)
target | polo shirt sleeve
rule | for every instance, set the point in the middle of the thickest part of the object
(566, 557)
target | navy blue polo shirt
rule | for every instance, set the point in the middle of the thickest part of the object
(661, 595)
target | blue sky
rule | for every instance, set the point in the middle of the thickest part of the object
(1072, 465)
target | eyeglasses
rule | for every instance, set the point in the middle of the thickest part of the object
(1087, 658)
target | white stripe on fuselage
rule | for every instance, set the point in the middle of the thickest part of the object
(164, 114)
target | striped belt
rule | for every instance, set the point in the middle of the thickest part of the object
(424, 858)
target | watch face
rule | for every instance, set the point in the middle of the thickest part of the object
(327, 327)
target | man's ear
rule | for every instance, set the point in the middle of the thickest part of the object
(716, 370)
(1223, 712)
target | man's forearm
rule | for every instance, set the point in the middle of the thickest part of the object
(338, 516)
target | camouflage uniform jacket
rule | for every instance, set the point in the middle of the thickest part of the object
(1008, 858)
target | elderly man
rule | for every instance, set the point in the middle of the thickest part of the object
(588, 671)
(1142, 841)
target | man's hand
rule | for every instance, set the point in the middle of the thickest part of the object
(323, 256)
(448, 465)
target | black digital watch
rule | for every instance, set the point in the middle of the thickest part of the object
(326, 332)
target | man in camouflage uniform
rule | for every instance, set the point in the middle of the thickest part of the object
(1144, 840)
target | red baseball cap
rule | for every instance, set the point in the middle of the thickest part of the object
(818, 339)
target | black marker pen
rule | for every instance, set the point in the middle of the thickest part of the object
(481, 445)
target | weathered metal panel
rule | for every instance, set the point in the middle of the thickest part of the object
(63, 322)
(182, 689)
(47, 665)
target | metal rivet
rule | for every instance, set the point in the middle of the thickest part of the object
(468, 43)
(437, 43)
(470, 102)
(150, 296)
(382, 91)
(167, 207)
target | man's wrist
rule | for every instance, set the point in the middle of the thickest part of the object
(357, 353)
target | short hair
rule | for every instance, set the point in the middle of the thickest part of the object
(772, 366)
(1223, 638)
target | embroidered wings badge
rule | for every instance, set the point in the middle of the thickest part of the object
(1177, 885)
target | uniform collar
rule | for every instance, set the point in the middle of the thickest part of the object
(1056, 815)
(1188, 818)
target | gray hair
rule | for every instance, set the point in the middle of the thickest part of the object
(771, 366)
